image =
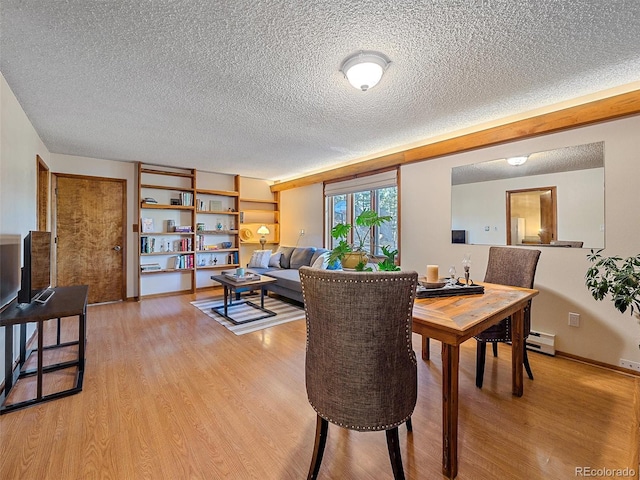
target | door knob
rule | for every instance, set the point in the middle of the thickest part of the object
(117, 248)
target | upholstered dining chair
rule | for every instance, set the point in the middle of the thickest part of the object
(360, 367)
(507, 266)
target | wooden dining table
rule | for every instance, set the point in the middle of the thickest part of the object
(455, 319)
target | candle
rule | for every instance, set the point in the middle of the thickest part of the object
(432, 273)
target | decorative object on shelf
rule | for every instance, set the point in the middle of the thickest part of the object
(364, 69)
(149, 200)
(147, 225)
(200, 227)
(215, 205)
(466, 264)
(171, 225)
(219, 225)
(175, 201)
(226, 244)
(246, 234)
(263, 230)
(617, 277)
(354, 255)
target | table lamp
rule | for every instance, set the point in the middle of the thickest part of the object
(263, 230)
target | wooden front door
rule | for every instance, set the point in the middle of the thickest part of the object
(90, 235)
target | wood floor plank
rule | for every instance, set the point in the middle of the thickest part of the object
(170, 393)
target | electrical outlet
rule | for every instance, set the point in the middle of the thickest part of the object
(630, 365)
(574, 319)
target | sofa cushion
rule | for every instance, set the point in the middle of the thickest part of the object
(285, 258)
(260, 259)
(321, 261)
(274, 261)
(301, 256)
(287, 279)
(316, 254)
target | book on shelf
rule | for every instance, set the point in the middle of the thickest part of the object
(180, 262)
(150, 267)
(183, 229)
(186, 199)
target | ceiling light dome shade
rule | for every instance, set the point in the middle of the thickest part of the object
(516, 161)
(364, 69)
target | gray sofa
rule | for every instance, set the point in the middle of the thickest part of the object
(286, 272)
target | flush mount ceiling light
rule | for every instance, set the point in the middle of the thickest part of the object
(516, 161)
(364, 69)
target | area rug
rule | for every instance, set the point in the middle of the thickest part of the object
(285, 312)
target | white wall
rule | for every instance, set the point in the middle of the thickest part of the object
(604, 334)
(301, 209)
(19, 145)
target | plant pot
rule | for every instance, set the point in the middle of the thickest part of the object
(352, 259)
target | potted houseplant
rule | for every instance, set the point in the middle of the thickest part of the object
(354, 255)
(617, 277)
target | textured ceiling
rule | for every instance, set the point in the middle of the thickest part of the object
(578, 157)
(253, 87)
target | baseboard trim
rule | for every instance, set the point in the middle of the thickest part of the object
(596, 363)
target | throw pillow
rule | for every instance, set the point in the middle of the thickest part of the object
(285, 258)
(301, 256)
(322, 262)
(260, 259)
(274, 261)
(336, 265)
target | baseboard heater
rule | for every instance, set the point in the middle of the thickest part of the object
(541, 342)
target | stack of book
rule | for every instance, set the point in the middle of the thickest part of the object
(150, 267)
(186, 199)
(244, 278)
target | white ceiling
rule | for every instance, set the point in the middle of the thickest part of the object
(253, 87)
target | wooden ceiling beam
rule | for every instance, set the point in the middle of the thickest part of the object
(618, 106)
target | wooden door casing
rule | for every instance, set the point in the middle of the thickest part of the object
(91, 235)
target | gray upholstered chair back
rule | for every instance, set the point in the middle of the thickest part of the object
(512, 266)
(360, 364)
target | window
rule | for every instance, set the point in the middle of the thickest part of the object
(347, 199)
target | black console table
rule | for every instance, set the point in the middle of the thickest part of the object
(66, 302)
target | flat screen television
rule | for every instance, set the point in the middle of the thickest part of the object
(36, 266)
(9, 267)
(458, 236)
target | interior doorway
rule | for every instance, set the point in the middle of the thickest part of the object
(89, 228)
(42, 195)
(531, 216)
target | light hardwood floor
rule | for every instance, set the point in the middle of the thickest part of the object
(171, 394)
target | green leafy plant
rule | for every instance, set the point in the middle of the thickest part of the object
(366, 220)
(617, 277)
(389, 262)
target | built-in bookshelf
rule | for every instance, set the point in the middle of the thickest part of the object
(191, 224)
(258, 207)
(166, 229)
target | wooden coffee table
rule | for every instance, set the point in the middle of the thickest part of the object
(231, 286)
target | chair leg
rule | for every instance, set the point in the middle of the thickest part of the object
(393, 444)
(495, 348)
(322, 428)
(481, 352)
(527, 367)
(409, 425)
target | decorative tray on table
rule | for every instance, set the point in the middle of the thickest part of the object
(449, 290)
